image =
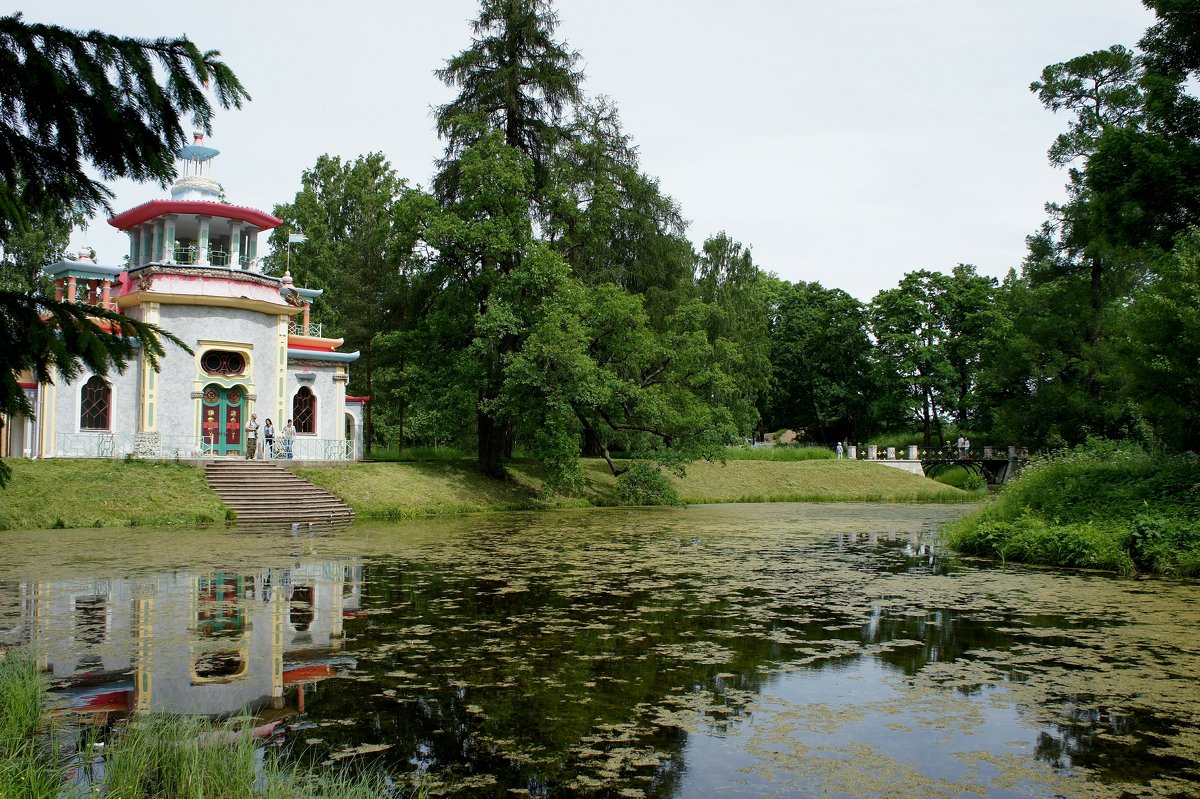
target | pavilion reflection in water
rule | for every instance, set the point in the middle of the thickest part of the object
(213, 643)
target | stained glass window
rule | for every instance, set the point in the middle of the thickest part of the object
(94, 404)
(304, 411)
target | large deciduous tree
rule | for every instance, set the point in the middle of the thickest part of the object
(359, 238)
(821, 358)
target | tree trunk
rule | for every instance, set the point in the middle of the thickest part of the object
(493, 440)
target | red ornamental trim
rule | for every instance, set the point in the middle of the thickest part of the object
(358, 400)
(310, 348)
(157, 208)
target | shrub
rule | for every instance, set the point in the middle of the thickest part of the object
(1107, 505)
(643, 484)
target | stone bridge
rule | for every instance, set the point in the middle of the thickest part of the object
(995, 464)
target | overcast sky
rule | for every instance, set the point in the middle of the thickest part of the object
(845, 141)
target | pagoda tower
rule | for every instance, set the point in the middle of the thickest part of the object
(193, 269)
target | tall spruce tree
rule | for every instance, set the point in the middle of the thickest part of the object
(515, 79)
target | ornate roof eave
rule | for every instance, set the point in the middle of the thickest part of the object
(321, 356)
(156, 208)
(65, 268)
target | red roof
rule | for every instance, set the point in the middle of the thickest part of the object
(156, 208)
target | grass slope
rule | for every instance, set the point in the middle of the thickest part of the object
(68, 492)
(404, 490)
(108, 493)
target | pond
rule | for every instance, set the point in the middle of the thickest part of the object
(736, 650)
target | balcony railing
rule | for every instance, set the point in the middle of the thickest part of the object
(299, 329)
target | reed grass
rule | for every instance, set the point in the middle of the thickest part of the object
(29, 765)
(154, 756)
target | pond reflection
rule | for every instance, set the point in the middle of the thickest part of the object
(783, 650)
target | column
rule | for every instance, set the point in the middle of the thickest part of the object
(872, 451)
(202, 254)
(155, 240)
(147, 423)
(135, 237)
(58, 289)
(912, 452)
(251, 246)
(70, 288)
(304, 330)
(235, 244)
(106, 293)
(147, 244)
(168, 240)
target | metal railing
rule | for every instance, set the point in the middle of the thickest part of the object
(155, 446)
(306, 448)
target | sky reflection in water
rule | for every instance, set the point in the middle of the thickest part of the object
(755, 650)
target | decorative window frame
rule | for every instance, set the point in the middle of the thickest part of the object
(108, 411)
(316, 415)
(245, 378)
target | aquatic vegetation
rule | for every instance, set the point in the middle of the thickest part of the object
(753, 649)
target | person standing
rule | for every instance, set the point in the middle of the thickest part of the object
(289, 438)
(839, 451)
(252, 437)
(269, 437)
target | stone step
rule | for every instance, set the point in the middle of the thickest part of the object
(262, 492)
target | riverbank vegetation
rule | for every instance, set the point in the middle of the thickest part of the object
(106, 493)
(151, 756)
(1114, 507)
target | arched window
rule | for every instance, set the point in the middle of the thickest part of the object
(95, 402)
(304, 411)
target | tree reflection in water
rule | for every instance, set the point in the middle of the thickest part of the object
(766, 649)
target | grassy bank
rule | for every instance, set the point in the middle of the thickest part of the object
(405, 490)
(67, 492)
(152, 756)
(105, 493)
(1110, 507)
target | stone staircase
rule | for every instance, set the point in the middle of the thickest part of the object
(263, 493)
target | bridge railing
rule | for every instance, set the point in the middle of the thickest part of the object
(939, 454)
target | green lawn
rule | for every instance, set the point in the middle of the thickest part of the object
(400, 490)
(69, 492)
(113, 493)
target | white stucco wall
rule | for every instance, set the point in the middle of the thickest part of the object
(205, 328)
